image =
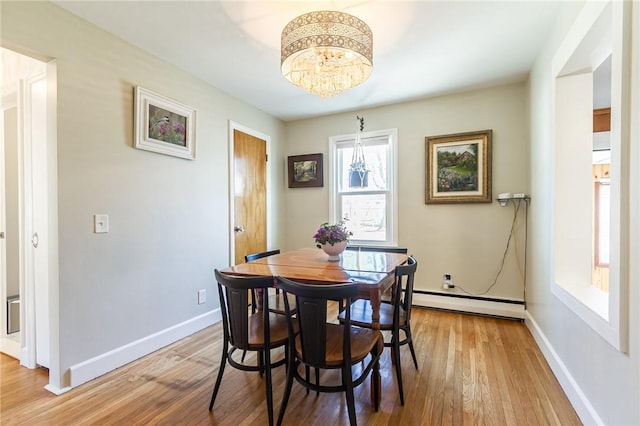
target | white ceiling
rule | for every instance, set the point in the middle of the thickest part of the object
(421, 49)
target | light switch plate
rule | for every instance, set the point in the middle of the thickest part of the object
(100, 223)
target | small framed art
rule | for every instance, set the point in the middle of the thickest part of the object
(305, 171)
(164, 125)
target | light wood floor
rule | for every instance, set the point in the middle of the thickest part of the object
(472, 371)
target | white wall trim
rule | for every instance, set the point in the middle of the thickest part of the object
(56, 390)
(8, 345)
(484, 307)
(585, 410)
(90, 369)
(3, 241)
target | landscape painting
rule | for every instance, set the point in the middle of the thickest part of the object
(305, 171)
(459, 168)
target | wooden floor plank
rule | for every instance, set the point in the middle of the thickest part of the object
(472, 370)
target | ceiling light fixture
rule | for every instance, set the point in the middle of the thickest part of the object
(326, 52)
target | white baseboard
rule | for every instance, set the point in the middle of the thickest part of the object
(476, 306)
(588, 415)
(101, 364)
(56, 390)
(10, 347)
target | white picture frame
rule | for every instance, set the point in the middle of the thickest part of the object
(163, 125)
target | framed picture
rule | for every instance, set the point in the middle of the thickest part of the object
(305, 171)
(164, 125)
(459, 168)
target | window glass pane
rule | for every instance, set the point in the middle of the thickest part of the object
(366, 215)
(603, 213)
(376, 158)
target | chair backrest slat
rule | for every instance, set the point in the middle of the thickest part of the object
(312, 321)
(311, 302)
(234, 300)
(404, 278)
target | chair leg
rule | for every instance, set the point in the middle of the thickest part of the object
(261, 362)
(348, 383)
(396, 352)
(267, 373)
(306, 375)
(291, 366)
(376, 387)
(223, 362)
(410, 341)
(317, 379)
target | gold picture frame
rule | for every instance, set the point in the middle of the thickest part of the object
(458, 168)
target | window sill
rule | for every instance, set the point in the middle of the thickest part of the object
(592, 306)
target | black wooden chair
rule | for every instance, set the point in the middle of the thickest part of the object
(402, 250)
(276, 300)
(243, 330)
(322, 345)
(393, 317)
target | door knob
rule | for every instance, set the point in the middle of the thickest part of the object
(238, 228)
(34, 240)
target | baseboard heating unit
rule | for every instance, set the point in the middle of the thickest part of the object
(508, 308)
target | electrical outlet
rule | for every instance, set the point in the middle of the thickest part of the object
(202, 296)
(446, 282)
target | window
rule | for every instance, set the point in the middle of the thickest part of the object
(370, 210)
(601, 209)
(591, 222)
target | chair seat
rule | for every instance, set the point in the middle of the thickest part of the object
(278, 331)
(362, 341)
(361, 315)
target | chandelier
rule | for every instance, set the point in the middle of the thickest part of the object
(326, 52)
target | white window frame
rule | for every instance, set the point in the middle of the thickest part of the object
(392, 173)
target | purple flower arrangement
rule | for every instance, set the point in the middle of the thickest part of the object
(331, 234)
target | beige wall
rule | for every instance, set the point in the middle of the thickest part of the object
(169, 222)
(466, 241)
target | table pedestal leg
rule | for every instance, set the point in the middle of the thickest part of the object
(376, 382)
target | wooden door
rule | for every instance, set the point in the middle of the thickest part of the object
(250, 194)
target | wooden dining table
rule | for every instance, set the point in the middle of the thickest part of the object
(371, 271)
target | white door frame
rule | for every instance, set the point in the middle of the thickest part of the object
(44, 293)
(25, 224)
(3, 225)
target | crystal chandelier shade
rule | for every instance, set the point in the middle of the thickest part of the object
(326, 52)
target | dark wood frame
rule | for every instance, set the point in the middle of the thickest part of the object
(483, 192)
(318, 181)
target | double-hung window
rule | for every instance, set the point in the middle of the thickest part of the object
(370, 211)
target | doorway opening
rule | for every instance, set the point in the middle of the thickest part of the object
(25, 189)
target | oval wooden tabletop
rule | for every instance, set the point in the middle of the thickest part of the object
(330, 273)
(350, 260)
